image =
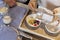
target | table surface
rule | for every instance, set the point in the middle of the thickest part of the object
(17, 13)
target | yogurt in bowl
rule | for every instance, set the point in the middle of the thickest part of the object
(7, 19)
(32, 22)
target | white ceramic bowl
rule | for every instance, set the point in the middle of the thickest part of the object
(7, 19)
(51, 29)
(32, 16)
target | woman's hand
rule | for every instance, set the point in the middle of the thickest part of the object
(33, 5)
(11, 3)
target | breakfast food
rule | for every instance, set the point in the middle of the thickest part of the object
(32, 21)
(51, 29)
(54, 23)
(4, 9)
(7, 19)
(53, 26)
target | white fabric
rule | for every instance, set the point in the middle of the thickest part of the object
(54, 2)
(44, 2)
(22, 0)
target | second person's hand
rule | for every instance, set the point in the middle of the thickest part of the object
(11, 3)
(33, 5)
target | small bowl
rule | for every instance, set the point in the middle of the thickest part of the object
(32, 18)
(7, 19)
(52, 29)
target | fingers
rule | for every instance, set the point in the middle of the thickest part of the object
(10, 2)
(32, 5)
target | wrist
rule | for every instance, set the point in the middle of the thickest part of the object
(33, 0)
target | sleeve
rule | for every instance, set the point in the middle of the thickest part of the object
(22, 1)
(42, 3)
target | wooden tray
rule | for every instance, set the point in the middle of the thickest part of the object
(39, 32)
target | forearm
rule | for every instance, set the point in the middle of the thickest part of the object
(33, 0)
(11, 3)
(33, 3)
